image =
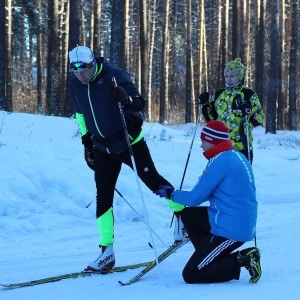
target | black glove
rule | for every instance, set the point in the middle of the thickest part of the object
(242, 105)
(88, 149)
(246, 108)
(203, 98)
(138, 103)
(118, 94)
(136, 120)
(164, 191)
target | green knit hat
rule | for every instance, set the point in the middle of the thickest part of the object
(235, 67)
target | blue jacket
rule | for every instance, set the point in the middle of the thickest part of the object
(228, 184)
(101, 115)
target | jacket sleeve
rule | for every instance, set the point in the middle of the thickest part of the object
(79, 117)
(137, 102)
(206, 111)
(257, 115)
(209, 110)
(81, 123)
(206, 185)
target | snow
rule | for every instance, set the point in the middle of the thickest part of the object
(46, 228)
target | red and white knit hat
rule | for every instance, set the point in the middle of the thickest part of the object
(214, 132)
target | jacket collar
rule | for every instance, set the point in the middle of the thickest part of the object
(221, 147)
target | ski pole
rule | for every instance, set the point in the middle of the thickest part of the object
(191, 146)
(249, 159)
(249, 154)
(139, 215)
(190, 150)
(137, 178)
(248, 142)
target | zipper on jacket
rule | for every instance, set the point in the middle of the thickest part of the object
(92, 110)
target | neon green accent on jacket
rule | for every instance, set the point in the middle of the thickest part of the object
(97, 71)
(139, 137)
(83, 130)
(106, 228)
(81, 123)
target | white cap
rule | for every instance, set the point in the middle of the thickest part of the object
(81, 54)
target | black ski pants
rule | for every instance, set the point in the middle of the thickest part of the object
(213, 260)
(108, 167)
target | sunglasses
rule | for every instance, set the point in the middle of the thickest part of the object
(80, 66)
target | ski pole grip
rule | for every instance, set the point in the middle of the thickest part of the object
(114, 82)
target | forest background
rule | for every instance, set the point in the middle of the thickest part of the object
(173, 49)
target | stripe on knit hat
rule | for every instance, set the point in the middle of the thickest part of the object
(214, 132)
(221, 135)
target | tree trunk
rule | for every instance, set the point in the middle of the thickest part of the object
(281, 90)
(164, 65)
(202, 53)
(92, 24)
(225, 27)
(53, 75)
(73, 27)
(144, 47)
(236, 30)
(9, 62)
(259, 52)
(97, 30)
(293, 121)
(273, 71)
(117, 56)
(3, 57)
(189, 82)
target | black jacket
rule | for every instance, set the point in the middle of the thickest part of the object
(101, 114)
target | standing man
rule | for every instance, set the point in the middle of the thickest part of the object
(235, 105)
(229, 221)
(103, 136)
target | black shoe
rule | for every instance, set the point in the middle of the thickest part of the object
(250, 259)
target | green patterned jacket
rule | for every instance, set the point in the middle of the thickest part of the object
(227, 106)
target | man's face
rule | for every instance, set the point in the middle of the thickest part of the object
(83, 71)
(85, 76)
(206, 145)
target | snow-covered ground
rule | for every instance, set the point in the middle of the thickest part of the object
(46, 228)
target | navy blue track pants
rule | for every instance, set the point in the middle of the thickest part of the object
(213, 260)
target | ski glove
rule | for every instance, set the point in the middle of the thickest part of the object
(165, 191)
(136, 120)
(88, 149)
(203, 98)
(242, 105)
(246, 108)
(118, 94)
